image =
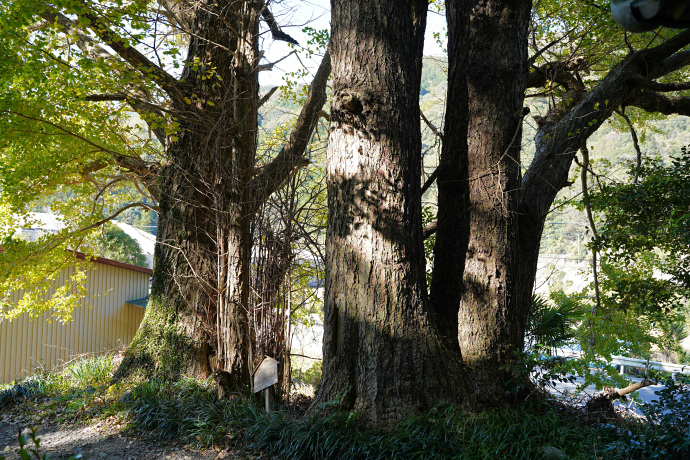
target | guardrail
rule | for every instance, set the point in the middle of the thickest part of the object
(624, 361)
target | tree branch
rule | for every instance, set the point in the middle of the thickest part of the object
(146, 171)
(433, 128)
(650, 101)
(117, 213)
(560, 72)
(636, 143)
(429, 229)
(269, 66)
(291, 156)
(560, 136)
(94, 50)
(645, 83)
(592, 225)
(267, 96)
(105, 97)
(134, 58)
(430, 181)
(276, 33)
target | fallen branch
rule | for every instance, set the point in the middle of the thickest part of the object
(602, 402)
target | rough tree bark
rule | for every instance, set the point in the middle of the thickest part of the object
(197, 319)
(452, 230)
(382, 355)
(199, 295)
(491, 326)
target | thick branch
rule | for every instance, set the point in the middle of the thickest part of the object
(291, 156)
(559, 72)
(671, 64)
(146, 171)
(179, 14)
(429, 229)
(645, 83)
(134, 58)
(602, 402)
(273, 26)
(650, 101)
(95, 51)
(105, 97)
(267, 96)
(559, 138)
(430, 181)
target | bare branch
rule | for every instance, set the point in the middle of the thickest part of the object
(536, 55)
(291, 156)
(636, 142)
(433, 128)
(94, 50)
(269, 66)
(430, 181)
(267, 96)
(133, 57)
(105, 97)
(592, 225)
(429, 229)
(273, 26)
(137, 204)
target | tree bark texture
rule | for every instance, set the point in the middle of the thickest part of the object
(382, 354)
(491, 326)
(199, 296)
(452, 229)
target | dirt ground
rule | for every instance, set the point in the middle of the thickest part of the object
(103, 440)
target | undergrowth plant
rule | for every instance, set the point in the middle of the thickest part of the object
(190, 412)
(92, 371)
(30, 447)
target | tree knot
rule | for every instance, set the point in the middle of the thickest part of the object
(351, 103)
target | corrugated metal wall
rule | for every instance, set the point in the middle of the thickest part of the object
(27, 345)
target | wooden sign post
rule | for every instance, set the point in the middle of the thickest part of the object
(265, 376)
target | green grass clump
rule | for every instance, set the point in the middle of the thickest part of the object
(92, 371)
(442, 433)
(190, 412)
(186, 411)
(32, 387)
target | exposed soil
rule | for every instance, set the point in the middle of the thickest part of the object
(104, 439)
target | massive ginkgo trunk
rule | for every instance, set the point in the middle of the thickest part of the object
(382, 353)
(209, 191)
(196, 320)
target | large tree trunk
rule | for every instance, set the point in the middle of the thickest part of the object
(382, 355)
(491, 326)
(199, 296)
(452, 234)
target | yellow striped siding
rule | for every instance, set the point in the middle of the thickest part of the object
(27, 346)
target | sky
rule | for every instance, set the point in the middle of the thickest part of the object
(293, 15)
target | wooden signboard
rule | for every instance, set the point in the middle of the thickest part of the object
(265, 375)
